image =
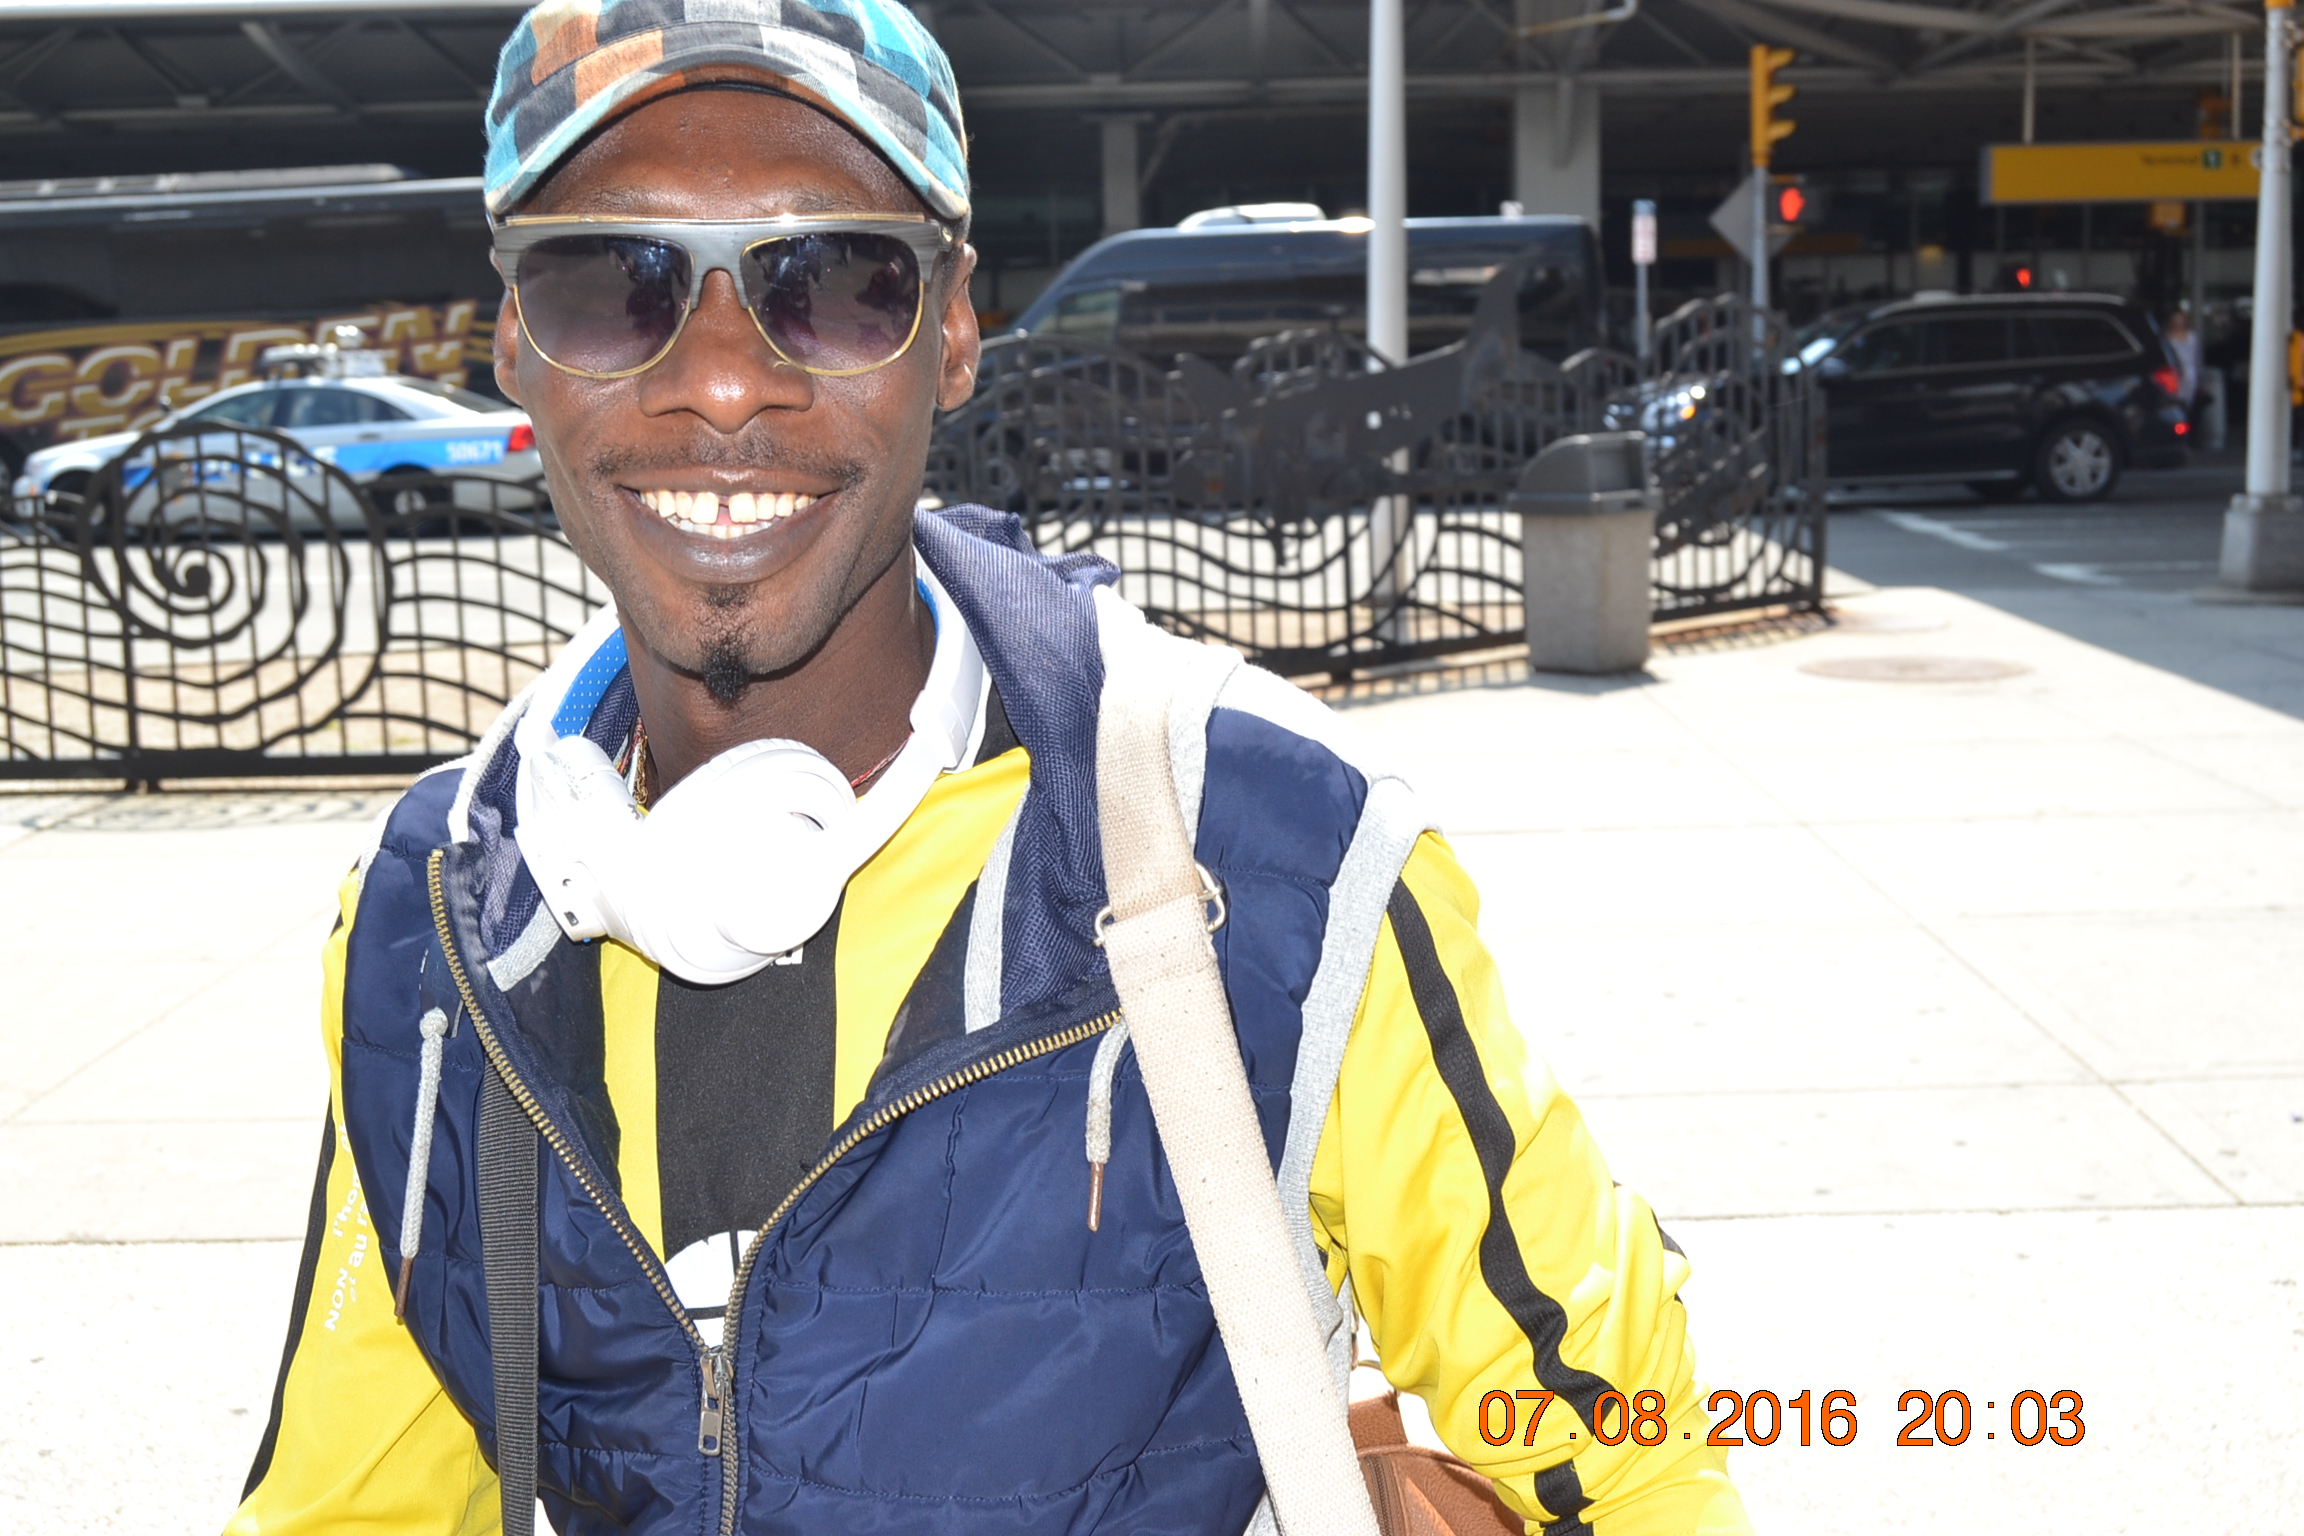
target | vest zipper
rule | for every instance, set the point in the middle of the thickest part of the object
(709, 1372)
(879, 1120)
(716, 1364)
(710, 1417)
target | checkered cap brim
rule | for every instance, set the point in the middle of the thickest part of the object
(571, 64)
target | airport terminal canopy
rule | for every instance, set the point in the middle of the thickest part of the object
(94, 87)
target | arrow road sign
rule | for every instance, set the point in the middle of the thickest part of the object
(1733, 218)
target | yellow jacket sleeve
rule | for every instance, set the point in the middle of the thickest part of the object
(362, 1438)
(1490, 1252)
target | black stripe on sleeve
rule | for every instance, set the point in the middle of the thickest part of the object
(1540, 1317)
(315, 1228)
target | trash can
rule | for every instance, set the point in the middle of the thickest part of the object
(1587, 530)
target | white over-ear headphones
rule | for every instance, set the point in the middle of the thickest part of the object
(746, 857)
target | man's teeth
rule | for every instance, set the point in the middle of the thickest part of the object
(722, 517)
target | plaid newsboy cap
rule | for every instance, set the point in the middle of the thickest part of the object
(572, 64)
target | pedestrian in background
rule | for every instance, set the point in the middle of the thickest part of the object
(2185, 343)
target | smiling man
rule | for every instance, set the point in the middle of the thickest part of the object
(733, 1127)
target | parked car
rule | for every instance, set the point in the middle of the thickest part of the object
(395, 433)
(2058, 392)
(1225, 278)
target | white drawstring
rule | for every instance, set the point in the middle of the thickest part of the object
(1100, 1115)
(434, 1024)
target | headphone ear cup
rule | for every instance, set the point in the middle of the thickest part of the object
(749, 850)
(578, 828)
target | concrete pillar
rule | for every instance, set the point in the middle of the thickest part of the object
(1556, 148)
(1123, 192)
(2264, 527)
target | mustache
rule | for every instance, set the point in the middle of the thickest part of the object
(628, 464)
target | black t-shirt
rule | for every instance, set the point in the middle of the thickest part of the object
(744, 1077)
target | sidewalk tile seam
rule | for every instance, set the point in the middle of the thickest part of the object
(1998, 1085)
(248, 961)
(29, 1243)
(1917, 1211)
(1921, 922)
(1939, 1213)
(44, 1125)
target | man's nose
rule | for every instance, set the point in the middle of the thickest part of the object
(722, 368)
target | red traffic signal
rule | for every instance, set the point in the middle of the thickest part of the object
(1792, 204)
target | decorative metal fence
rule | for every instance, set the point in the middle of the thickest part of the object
(1326, 512)
(1737, 440)
(219, 602)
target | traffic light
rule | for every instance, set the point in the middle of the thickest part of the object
(1792, 204)
(1767, 96)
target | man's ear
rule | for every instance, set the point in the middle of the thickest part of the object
(508, 348)
(962, 344)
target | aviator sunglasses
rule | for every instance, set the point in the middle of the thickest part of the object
(607, 298)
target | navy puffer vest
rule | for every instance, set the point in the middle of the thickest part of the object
(930, 1339)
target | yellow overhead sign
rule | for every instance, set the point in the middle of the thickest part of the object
(2177, 171)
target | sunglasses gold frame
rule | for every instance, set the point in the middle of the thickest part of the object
(720, 245)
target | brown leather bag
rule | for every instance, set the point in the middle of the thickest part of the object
(1420, 1492)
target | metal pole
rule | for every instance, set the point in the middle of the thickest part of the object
(1640, 306)
(1387, 181)
(2031, 91)
(2199, 284)
(2268, 341)
(1643, 256)
(1388, 518)
(1759, 241)
(2232, 114)
(1123, 187)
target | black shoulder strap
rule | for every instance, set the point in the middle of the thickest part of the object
(508, 1153)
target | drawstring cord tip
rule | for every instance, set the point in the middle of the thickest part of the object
(400, 1291)
(1095, 1196)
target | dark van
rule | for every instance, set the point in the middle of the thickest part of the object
(2058, 392)
(1214, 289)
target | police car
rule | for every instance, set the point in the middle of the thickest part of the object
(375, 427)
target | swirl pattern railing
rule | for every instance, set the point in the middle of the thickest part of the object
(220, 602)
(1737, 440)
(1326, 513)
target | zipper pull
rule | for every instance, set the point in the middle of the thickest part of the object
(715, 1377)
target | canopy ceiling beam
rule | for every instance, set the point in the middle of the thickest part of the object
(290, 60)
(447, 57)
(1687, 50)
(2012, 20)
(1785, 31)
(1177, 38)
(1014, 28)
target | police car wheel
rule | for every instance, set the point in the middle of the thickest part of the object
(72, 498)
(409, 494)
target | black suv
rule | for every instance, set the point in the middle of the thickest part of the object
(2056, 391)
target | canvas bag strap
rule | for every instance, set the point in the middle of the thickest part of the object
(507, 1180)
(1164, 968)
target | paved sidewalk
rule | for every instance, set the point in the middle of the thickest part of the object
(1952, 1027)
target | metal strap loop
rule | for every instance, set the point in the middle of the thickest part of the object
(1211, 895)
